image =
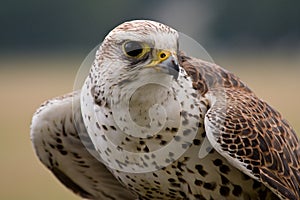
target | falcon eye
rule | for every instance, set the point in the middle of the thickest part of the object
(133, 49)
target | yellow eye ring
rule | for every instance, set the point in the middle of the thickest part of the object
(134, 49)
(163, 55)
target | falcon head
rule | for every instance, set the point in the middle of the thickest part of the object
(138, 48)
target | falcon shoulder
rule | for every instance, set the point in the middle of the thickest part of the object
(245, 130)
(63, 150)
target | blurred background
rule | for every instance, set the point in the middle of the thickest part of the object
(42, 44)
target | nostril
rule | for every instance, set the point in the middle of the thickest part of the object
(162, 55)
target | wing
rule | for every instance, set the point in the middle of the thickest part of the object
(63, 150)
(245, 130)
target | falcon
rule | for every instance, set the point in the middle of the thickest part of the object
(150, 122)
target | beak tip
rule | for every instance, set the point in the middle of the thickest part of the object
(172, 67)
(174, 71)
(169, 66)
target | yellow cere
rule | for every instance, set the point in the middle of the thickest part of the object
(161, 56)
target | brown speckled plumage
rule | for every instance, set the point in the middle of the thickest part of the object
(252, 132)
(66, 152)
(250, 151)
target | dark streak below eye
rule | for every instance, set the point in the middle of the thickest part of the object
(135, 62)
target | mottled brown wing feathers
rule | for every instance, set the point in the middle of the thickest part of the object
(246, 130)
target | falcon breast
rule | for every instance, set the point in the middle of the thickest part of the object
(170, 126)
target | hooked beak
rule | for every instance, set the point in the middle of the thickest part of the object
(166, 62)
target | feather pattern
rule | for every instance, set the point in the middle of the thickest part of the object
(67, 153)
(245, 130)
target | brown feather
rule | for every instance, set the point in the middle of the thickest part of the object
(253, 132)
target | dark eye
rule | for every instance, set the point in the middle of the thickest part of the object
(133, 49)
